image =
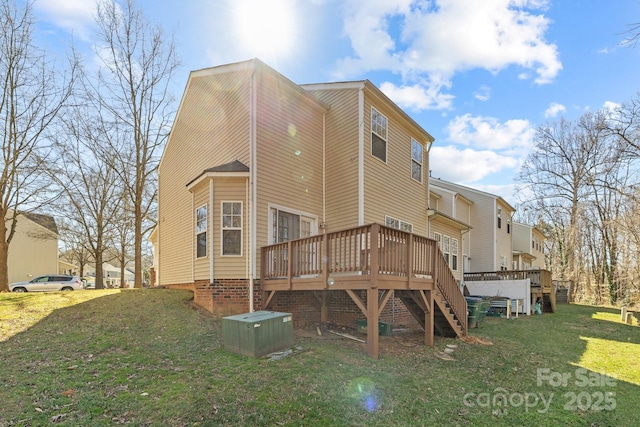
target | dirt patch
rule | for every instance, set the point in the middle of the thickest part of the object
(476, 340)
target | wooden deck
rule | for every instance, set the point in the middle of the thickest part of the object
(375, 259)
(541, 283)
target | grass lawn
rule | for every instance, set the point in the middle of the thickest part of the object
(148, 358)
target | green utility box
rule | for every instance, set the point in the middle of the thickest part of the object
(384, 328)
(257, 334)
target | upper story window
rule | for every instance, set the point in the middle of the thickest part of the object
(378, 135)
(416, 160)
(454, 254)
(201, 232)
(499, 217)
(231, 228)
(508, 225)
(446, 248)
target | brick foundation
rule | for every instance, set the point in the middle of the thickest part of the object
(225, 297)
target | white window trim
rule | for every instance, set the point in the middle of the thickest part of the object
(400, 222)
(206, 231)
(455, 244)
(222, 229)
(415, 161)
(306, 215)
(384, 138)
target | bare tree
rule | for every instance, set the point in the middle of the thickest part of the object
(138, 63)
(31, 97)
(87, 178)
(558, 172)
(74, 244)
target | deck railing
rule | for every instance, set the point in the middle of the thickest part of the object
(539, 278)
(373, 250)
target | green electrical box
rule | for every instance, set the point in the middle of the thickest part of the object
(257, 334)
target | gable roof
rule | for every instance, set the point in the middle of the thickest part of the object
(46, 221)
(235, 168)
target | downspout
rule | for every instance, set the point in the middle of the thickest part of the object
(193, 237)
(430, 210)
(252, 185)
(211, 250)
(361, 156)
(324, 172)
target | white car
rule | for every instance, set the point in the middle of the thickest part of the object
(57, 282)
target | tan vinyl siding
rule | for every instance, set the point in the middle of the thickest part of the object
(538, 251)
(482, 238)
(230, 190)
(33, 251)
(288, 150)
(503, 238)
(212, 128)
(201, 198)
(341, 157)
(388, 187)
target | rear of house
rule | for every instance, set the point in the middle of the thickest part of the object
(254, 159)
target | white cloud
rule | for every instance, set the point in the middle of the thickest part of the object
(483, 94)
(554, 109)
(418, 97)
(489, 133)
(76, 16)
(467, 165)
(442, 37)
(610, 106)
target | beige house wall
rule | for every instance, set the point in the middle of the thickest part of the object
(32, 252)
(211, 128)
(538, 249)
(289, 152)
(342, 139)
(504, 234)
(230, 266)
(389, 189)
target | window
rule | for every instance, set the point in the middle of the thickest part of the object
(378, 135)
(446, 248)
(231, 228)
(438, 238)
(508, 225)
(398, 224)
(416, 160)
(201, 232)
(454, 254)
(499, 217)
(287, 226)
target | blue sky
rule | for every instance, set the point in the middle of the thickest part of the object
(478, 75)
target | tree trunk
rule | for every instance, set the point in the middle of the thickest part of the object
(4, 256)
(138, 244)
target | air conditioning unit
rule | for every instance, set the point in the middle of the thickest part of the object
(258, 333)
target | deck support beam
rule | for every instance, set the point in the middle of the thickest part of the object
(267, 296)
(427, 297)
(372, 322)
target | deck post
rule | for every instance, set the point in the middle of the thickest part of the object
(324, 310)
(372, 322)
(409, 260)
(429, 320)
(290, 264)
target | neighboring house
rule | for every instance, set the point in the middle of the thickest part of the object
(528, 247)
(255, 159)
(487, 245)
(34, 249)
(65, 267)
(110, 274)
(449, 224)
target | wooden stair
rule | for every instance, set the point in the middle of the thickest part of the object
(445, 322)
